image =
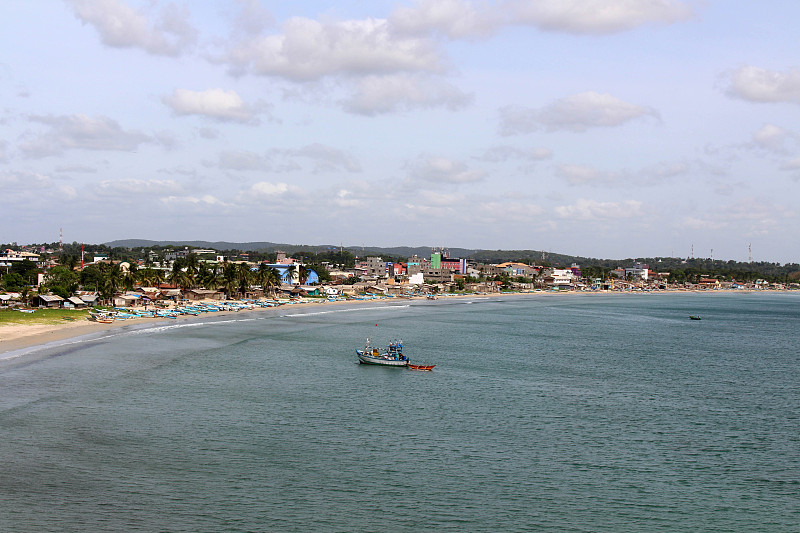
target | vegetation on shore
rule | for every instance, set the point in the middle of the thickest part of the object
(41, 316)
(234, 278)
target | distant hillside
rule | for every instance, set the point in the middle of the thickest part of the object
(661, 264)
(361, 251)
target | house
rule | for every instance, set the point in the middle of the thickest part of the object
(49, 300)
(73, 302)
(203, 294)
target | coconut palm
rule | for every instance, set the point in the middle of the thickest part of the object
(207, 277)
(243, 277)
(303, 273)
(267, 277)
(229, 281)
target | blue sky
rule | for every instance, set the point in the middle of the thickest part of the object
(624, 128)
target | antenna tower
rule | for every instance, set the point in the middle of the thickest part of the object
(60, 239)
(693, 251)
(749, 253)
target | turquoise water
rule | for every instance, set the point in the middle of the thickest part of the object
(606, 413)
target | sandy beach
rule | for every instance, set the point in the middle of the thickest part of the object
(14, 337)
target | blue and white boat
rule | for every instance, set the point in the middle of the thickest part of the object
(392, 356)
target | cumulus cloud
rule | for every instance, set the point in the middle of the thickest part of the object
(385, 94)
(794, 164)
(202, 202)
(252, 18)
(498, 154)
(128, 188)
(311, 50)
(653, 175)
(327, 158)
(444, 170)
(455, 19)
(574, 113)
(243, 160)
(596, 16)
(756, 84)
(218, 104)
(584, 209)
(81, 132)
(772, 138)
(120, 26)
(24, 187)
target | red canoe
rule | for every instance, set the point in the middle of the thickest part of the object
(421, 367)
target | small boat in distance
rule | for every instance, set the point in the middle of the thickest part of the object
(426, 368)
(695, 317)
(393, 356)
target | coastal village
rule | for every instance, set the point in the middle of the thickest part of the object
(44, 279)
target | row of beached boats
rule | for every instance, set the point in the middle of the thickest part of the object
(195, 309)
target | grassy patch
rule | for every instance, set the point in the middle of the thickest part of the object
(41, 316)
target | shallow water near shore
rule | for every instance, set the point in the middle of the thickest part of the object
(544, 413)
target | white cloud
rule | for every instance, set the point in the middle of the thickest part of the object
(243, 160)
(326, 158)
(761, 85)
(454, 18)
(252, 18)
(310, 50)
(585, 209)
(654, 175)
(596, 16)
(444, 170)
(218, 104)
(26, 188)
(120, 26)
(583, 175)
(794, 164)
(508, 211)
(138, 189)
(574, 113)
(772, 138)
(204, 201)
(266, 190)
(498, 154)
(385, 94)
(81, 132)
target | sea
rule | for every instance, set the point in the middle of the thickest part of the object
(545, 412)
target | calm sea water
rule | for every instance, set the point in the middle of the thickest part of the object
(607, 413)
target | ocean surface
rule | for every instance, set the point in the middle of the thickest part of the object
(601, 413)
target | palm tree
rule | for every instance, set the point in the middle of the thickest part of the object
(229, 279)
(207, 277)
(243, 276)
(130, 277)
(302, 273)
(267, 277)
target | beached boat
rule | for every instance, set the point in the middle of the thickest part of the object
(392, 356)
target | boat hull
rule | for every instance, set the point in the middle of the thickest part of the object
(371, 360)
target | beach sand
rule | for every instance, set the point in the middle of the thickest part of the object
(15, 337)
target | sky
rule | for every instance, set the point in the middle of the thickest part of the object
(600, 128)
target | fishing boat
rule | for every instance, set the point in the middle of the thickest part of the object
(695, 317)
(426, 368)
(392, 356)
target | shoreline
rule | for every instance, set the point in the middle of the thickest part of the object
(24, 338)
